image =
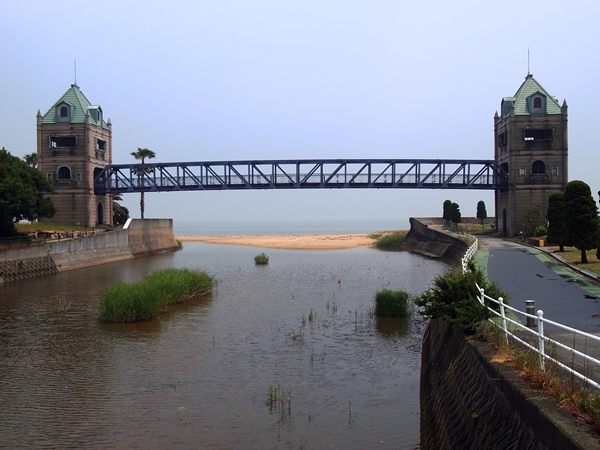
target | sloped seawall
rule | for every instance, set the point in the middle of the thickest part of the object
(427, 238)
(470, 402)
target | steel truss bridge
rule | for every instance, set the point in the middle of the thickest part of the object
(302, 174)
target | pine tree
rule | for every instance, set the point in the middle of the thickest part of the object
(581, 217)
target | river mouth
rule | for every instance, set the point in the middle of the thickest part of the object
(200, 376)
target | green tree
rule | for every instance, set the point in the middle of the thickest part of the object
(455, 215)
(581, 217)
(120, 212)
(532, 218)
(481, 211)
(446, 213)
(557, 227)
(143, 154)
(22, 190)
(31, 159)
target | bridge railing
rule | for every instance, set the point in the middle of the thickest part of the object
(437, 174)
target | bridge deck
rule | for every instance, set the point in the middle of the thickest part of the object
(302, 174)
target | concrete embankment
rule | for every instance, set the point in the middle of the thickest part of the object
(470, 402)
(427, 238)
(138, 238)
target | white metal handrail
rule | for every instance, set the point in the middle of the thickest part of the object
(541, 337)
(469, 254)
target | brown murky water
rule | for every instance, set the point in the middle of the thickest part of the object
(199, 376)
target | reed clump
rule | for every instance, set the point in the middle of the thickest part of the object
(390, 240)
(143, 300)
(391, 303)
(261, 259)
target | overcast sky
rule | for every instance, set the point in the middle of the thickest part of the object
(231, 80)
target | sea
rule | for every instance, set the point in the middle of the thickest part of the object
(261, 227)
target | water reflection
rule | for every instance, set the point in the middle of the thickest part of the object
(199, 376)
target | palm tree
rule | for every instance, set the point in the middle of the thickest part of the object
(31, 159)
(120, 212)
(142, 154)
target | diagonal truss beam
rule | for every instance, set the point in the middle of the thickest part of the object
(302, 174)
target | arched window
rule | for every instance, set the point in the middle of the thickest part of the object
(64, 173)
(537, 103)
(504, 167)
(538, 167)
(64, 111)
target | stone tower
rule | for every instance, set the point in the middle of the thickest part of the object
(73, 144)
(531, 145)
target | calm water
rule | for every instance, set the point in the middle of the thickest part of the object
(199, 376)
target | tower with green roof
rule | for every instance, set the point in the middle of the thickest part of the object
(74, 143)
(531, 145)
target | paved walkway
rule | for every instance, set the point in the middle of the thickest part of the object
(565, 296)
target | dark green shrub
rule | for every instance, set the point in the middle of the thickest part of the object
(392, 303)
(123, 302)
(261, 259)
(541, 231)
(454, 298)
(391, 241)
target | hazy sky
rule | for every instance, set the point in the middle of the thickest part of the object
(231, 80)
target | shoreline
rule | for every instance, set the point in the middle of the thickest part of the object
(289, 241)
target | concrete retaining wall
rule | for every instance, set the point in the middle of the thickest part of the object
(432, 241)
(150, 236)
(468, 402)
(141, 237)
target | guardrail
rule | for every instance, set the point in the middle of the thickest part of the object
(531, 320)
(539, 335)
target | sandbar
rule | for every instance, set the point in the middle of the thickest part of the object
(289, 241)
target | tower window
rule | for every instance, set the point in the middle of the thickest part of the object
(538, 167)
(63, 141)
(502, 139)
(64, 173)
(504, 166)
(538, 134)
(64, 112)
(555, 171)
(101, 145)
(522, 171)
(537, 103)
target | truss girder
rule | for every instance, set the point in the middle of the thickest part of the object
(302, 174)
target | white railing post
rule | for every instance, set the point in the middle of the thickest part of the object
(540, 315)
(481, 297)
(503, 315)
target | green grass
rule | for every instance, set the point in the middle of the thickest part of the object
(389, 240)
(261, 259)
(123, 302)
(392, 303)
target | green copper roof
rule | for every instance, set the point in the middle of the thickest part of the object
(521, 101)
(80, 106)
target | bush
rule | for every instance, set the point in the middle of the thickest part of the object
(454, 298)
(123, 302)
(261, 259)
(541, 231)
(392, 303)
(391, 241)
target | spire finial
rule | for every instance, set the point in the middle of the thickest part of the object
(75, 71)
(528, 71)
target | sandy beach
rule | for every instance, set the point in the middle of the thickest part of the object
(289, 241)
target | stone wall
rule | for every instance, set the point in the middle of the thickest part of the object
(427, 237)
(469, 402)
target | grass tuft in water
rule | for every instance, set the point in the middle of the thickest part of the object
(63, 304)
(261, 259)
(391, 303)
(123, 302)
